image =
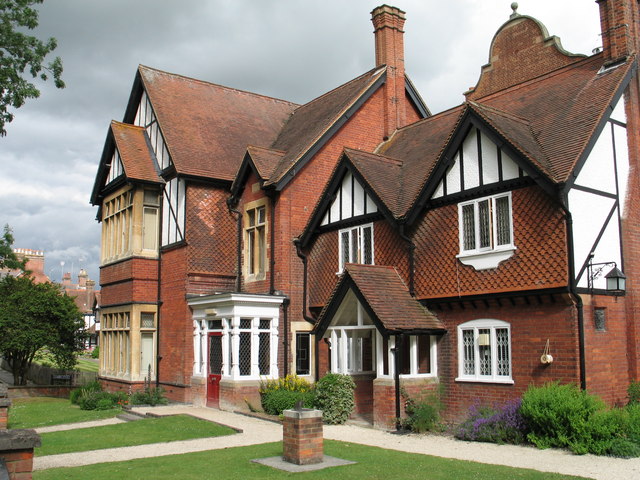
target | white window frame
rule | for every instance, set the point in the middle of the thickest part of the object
(482, 258)
(356, 254)
(476, 326)
(414, 357)
(256, 241)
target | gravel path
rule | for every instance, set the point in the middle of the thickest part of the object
(255, 431)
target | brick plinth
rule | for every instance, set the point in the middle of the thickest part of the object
(16, 452)
(302, 437)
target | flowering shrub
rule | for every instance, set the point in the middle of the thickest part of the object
(291, 383)
(277, 395)
(503, 424)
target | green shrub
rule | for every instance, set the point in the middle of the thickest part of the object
(96, 400)
(564, 416)
(423, 411)
(95, 353)
(633, 422)
(76, 393)
(623, 448)
(634, 393)
(335, 397)
(275, 402)
(149, 396)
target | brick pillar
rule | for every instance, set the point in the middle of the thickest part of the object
(302, 437)
(5, 403)
(16, 453)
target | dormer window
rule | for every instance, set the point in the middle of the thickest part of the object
(356, 245)
(486, 229)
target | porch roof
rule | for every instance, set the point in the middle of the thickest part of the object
(381, 291)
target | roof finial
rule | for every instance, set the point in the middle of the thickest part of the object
(514, 7)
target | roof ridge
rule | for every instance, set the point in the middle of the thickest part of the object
(205, 82)
(374, 73)
(371, 71)
(128, 125)
(268, 149)
(497, 111)
(397, 161)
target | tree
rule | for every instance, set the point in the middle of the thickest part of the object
(8, 258)
(35, 316)
(20, 52)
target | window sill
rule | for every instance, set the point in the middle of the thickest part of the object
(504, 381)
(486, 260)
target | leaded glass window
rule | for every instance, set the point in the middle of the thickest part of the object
(485, 224)
(484, 351)
(356, 246)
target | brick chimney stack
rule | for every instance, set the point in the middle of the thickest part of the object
(82, 278)
(619, 26)
(388, 23)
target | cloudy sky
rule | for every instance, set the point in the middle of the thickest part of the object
(289, 49)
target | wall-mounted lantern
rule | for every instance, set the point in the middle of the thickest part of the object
(616, 280)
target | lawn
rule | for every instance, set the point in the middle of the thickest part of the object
(87, 365)
(140, 432)
(373, 463)
(36, 412)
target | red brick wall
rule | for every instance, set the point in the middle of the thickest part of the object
(131, 280)
(631, 228)
(531, 325)
(175, 325)
(19, 463)
(606, 351)
(539, 261)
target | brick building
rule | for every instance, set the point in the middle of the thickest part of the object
(246, 237)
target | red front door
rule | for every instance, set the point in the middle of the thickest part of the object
(215, 370)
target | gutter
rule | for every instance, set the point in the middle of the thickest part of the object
(307, 317)
(230, 202)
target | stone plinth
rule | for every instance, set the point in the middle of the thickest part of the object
(302, 437)
(16, 453)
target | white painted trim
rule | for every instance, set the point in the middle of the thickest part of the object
(486, 260)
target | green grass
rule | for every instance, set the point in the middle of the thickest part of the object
(84, 364)
(373, 463)
(140, 432)
(87, 365)
(36, 412)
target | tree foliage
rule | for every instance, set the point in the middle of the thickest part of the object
(21, 56)
(34, 316)
(8, 258)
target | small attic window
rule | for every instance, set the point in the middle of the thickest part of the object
(607, 67)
